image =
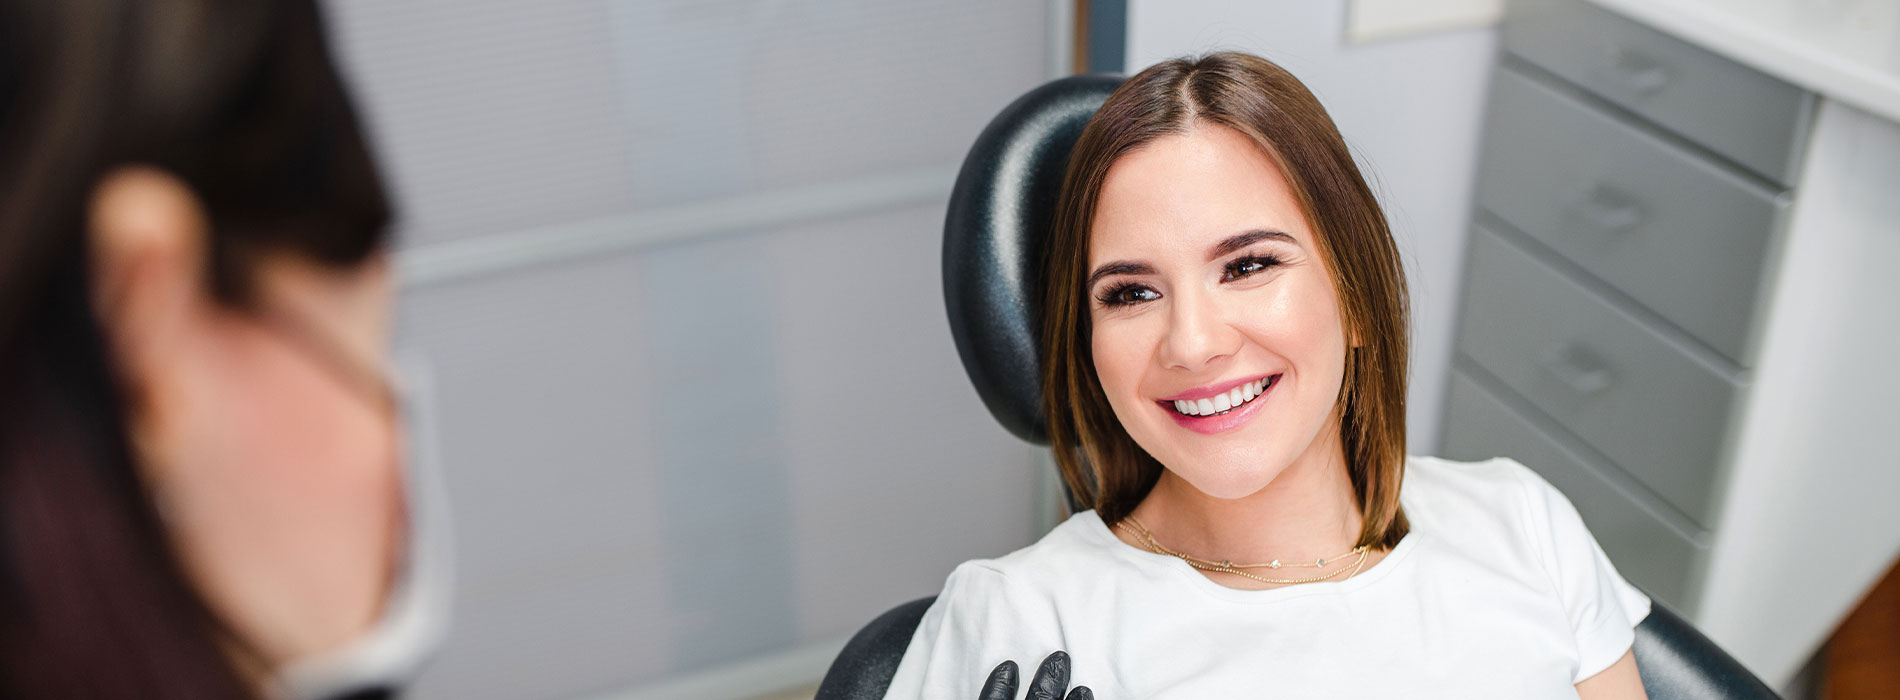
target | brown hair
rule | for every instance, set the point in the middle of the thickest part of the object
(239, 99)
(1103, 466)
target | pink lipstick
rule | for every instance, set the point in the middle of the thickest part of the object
(1219, 407)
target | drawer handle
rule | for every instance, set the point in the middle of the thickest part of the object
(1606, 208)
(1641, 74)
(1577, 368)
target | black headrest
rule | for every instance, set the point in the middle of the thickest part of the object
(993, 240)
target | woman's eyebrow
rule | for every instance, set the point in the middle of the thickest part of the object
(1118, 267)
(1242, 240)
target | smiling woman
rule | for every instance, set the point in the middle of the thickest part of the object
(1199, 311)
(1136, 176)
(1225, 349)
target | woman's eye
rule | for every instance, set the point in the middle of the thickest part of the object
(1128, 295)
(1244, 267)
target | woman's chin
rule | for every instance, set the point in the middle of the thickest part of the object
(1229, 481)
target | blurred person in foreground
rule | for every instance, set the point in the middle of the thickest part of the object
(204, 486)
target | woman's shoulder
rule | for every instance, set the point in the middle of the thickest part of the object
(1432, 479)
(1464, 499)
(1079, 548)
(1008, 607)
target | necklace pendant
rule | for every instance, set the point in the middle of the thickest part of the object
(1275, 564)
(1321, 562)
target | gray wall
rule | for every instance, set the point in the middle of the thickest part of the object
(675, 268)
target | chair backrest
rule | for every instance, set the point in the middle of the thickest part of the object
(1678, 663)
(863, 671)
(993, 241)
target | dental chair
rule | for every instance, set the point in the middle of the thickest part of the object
(992, 278)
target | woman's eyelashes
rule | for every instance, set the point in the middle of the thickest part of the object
(1127, 294)
(1247, 266)
(1130, 293)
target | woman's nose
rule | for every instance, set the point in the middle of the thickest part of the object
(1198, 334)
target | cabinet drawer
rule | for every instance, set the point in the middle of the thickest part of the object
(1628, 391)
(1647, 551)
(1743, 114)
(1687, 239)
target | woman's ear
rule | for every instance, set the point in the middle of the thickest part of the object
(146, 234)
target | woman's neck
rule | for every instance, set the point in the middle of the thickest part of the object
(1308, 511)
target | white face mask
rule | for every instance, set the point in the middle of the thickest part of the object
(416, 614)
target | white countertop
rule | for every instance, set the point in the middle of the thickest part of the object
(1845, 50)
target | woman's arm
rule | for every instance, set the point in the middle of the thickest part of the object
(1618, 682)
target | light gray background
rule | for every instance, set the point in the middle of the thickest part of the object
(690, 447)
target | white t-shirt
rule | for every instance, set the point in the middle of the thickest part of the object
(1498, 592)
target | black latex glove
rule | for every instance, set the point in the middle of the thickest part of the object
(1052, 678)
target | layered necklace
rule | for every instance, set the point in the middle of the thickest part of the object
(1147, 539)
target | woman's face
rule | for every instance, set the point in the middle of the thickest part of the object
(1215, 328)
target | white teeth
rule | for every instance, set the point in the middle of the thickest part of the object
(1218, 403)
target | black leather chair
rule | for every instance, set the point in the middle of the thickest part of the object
(992, 277)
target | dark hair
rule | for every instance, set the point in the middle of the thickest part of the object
(1103, 466)
(240, 101)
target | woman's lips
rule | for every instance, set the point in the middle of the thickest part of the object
(1208, 392)
(1222, 411)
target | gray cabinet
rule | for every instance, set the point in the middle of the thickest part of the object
(1743, 116)
(1631, 198)
(1682, 235)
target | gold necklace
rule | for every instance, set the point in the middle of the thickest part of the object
(1142, 532)
(1134, 528)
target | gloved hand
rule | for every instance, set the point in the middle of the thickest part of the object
(1052, 678)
